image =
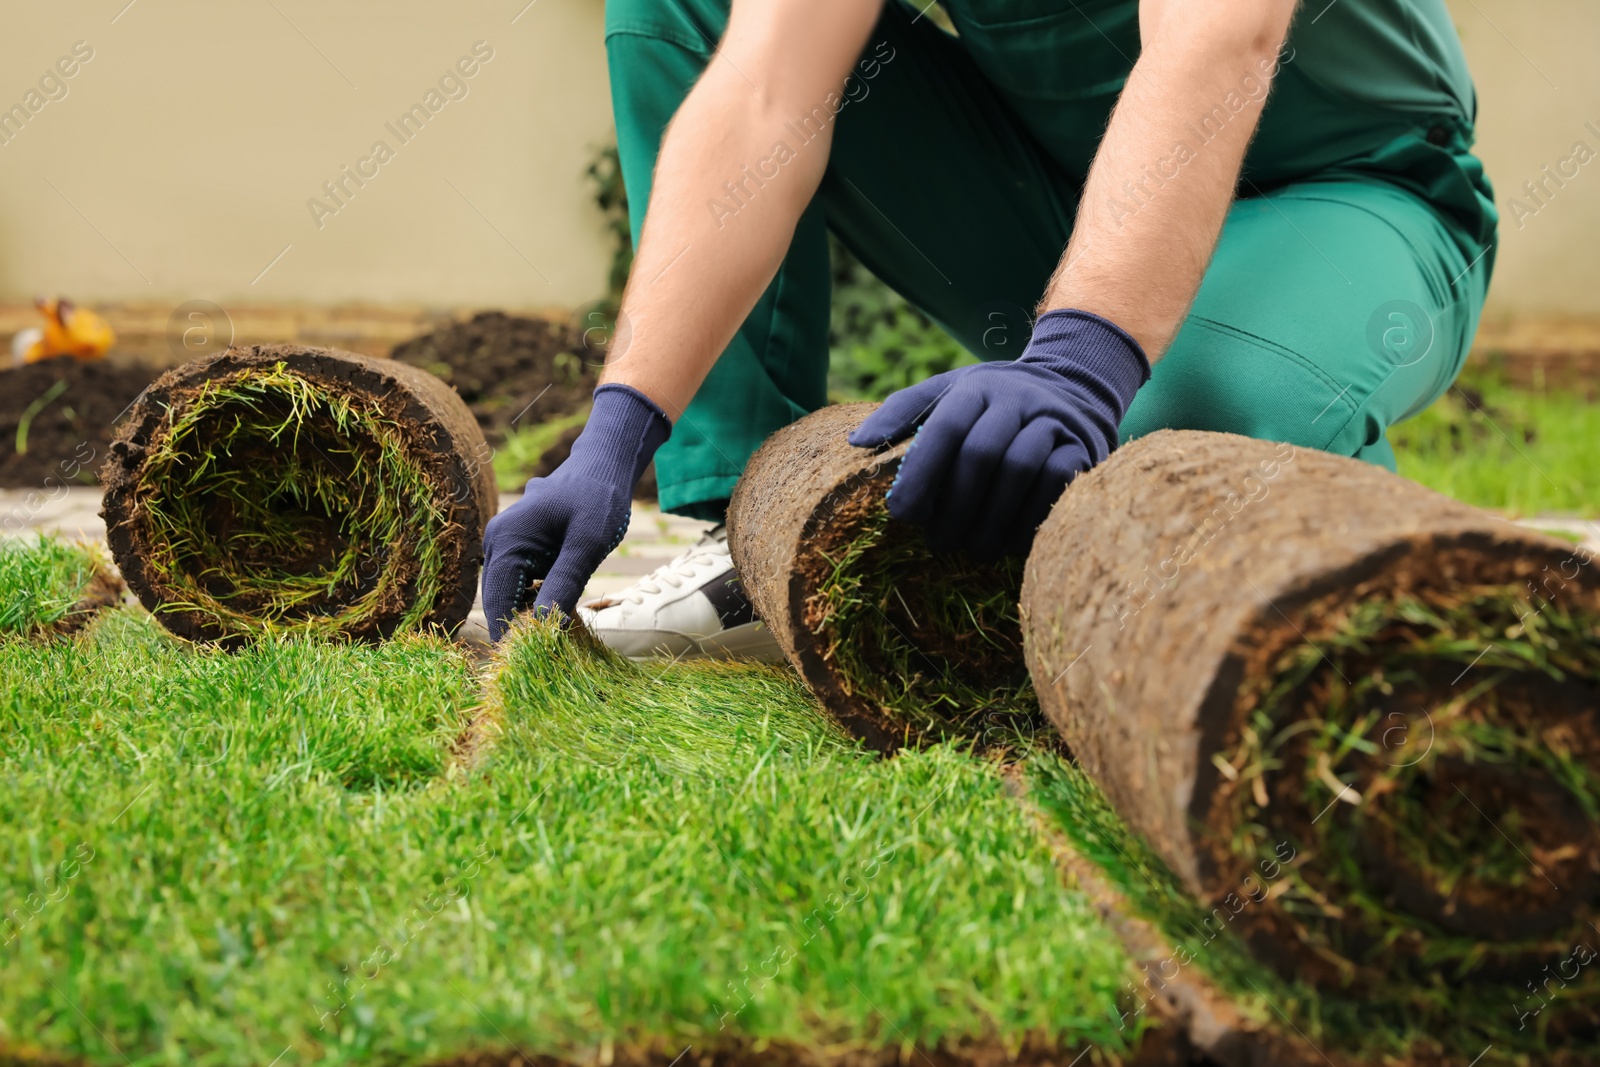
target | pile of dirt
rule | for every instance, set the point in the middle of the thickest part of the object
(67, 413)
(512, 372)
(515, 373)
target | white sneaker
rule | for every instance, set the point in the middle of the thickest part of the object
(691, 608)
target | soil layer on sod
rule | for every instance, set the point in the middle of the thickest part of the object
(284, 488)
(49, 587)
(57, 419)
(901, 645)
(1365, 709)
(277, 854)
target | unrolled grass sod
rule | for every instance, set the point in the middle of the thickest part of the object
(228, 858)
(50, 585)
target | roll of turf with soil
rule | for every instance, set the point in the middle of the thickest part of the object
(282, 488)
(900, 645)
(1356, 717)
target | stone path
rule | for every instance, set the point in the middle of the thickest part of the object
(653, 538)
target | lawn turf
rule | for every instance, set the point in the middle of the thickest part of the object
(1489, 443)
(41, 581)
(231, 858)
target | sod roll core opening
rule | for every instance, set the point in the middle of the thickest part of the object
(281, 488)
(899, 644)
(1359, 716)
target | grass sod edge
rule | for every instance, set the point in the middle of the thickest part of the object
(1229, 1028)
(900, 645)
(563, 662)
(1201, 945)
(50, 587)
(369, 477)
(1334, 535)
(715, 767)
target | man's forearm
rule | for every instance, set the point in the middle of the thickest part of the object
(700, 269)
(1164, 176)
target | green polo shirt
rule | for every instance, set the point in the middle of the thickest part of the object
(1353, 75)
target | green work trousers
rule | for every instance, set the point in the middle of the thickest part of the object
(1342, 298)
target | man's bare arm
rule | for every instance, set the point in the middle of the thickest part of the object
(1151, 213)
(698, 272)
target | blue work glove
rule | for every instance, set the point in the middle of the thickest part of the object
(996, 443)
(567, 523)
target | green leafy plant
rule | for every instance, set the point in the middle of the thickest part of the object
(878, 342)
(611, 196)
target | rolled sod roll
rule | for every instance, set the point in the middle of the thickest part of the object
(1357, 717)
(282, 488)
(899, 644)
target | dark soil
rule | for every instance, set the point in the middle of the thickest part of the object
(511, 371)
(515, 373)
(68, 437)
(1162, 1047)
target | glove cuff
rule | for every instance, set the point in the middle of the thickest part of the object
(624, 430)
(1098, 347)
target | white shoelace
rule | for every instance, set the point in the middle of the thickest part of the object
(684, 566)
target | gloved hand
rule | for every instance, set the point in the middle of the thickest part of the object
(998, 442)
(567, 523)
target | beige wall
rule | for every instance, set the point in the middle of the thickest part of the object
(180, 162)
(1537, 64)
(193, 139)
